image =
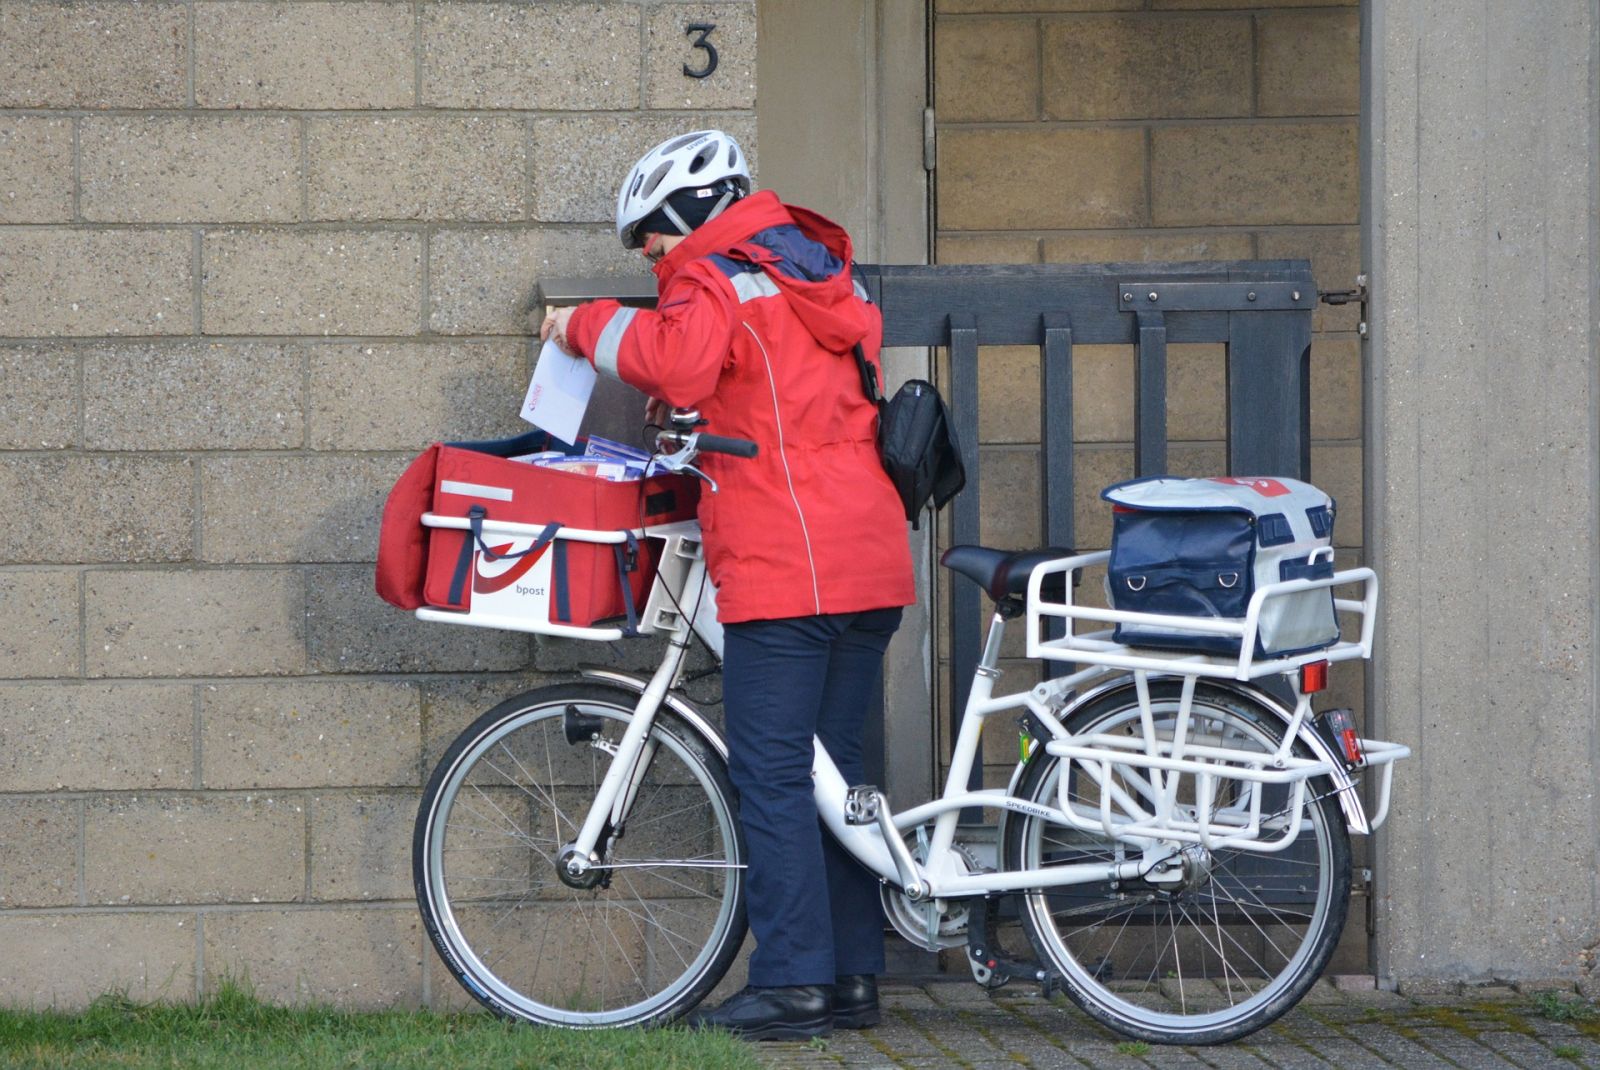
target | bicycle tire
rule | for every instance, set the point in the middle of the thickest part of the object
(1214, 961)
(644, 945)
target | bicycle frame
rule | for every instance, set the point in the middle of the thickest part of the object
(1146, 818)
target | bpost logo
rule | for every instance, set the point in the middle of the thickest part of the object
(1267, 488)
(501, 572)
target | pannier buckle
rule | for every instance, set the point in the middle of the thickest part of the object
(1135, 583)
(1229, 579)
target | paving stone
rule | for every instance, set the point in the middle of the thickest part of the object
(1349, 1055)
(35, 169)
(1384, 1042)
(522, 56)
(139, 55)
(194, 395)
(1519, 1049)
(194, 849)
(381, 167)
(1464, 1051)
(1534, 985)
(269, 55)
(187, 169)
(62, 281)
(310, 733)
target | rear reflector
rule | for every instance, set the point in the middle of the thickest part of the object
(1313, 677)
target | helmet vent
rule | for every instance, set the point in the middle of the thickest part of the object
(678, 143)
(700, 160)
(655, 178)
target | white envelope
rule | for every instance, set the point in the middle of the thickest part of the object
(558, 395)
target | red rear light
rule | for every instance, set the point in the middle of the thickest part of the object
(1313, 677)
(1343, 726)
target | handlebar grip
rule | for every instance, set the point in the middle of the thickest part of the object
(734, 447)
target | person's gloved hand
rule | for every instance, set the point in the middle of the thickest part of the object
(555, 327)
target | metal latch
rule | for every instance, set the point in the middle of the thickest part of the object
(1344, 297)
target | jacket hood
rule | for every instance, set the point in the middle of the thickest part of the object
(806, 255)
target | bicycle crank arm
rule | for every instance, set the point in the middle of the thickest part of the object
(643, 863)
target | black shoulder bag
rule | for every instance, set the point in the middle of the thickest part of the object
(917, 441)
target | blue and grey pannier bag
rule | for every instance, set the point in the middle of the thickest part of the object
(1202, 547)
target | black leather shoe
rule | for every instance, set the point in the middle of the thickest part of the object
(796, 1012)
(855, 1001)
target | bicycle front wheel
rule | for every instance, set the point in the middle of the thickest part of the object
(1232, 944)
(644, 935)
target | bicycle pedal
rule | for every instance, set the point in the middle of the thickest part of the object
(862, 803)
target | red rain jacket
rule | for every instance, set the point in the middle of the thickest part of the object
(755, 325)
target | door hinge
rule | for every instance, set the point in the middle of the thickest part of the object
(929, 140)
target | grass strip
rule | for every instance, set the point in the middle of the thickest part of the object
(232, 1029)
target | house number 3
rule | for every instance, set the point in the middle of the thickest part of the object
(704, 30)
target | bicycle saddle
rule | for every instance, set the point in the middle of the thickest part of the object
(1004, 573)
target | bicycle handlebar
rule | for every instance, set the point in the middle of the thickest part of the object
(734, 447)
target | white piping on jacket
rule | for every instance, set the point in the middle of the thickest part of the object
(777, 418)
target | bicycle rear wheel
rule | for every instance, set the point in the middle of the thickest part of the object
(1218, 954)
(642, 937)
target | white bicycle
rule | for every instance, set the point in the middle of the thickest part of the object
(1175, 836)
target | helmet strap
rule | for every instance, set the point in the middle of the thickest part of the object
(716, 209)
(677, 220)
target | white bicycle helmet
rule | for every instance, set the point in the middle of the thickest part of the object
(688, 161)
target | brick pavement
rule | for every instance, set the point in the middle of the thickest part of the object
(939, 1024)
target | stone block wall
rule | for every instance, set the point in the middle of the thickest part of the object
(1124, 130)
(253, 257)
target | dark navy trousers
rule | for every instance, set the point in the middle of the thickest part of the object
(813, 909)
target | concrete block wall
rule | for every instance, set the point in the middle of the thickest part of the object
(253, 257)
(1121, 130)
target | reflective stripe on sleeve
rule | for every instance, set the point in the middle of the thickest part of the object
(750, 285)
(605, 350)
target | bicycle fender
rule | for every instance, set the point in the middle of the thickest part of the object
(693, 717)
(1355, 812)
